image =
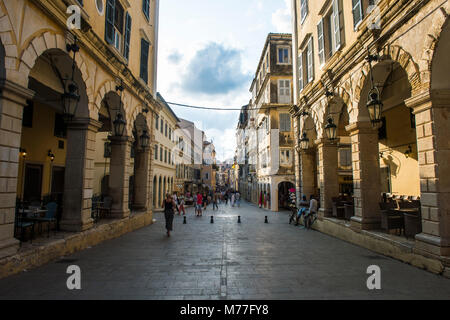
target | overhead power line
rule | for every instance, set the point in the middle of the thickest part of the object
(217, 108)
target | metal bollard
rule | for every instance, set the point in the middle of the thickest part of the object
(265, 220)
(239, 219)
(184, 220)
(212, 219)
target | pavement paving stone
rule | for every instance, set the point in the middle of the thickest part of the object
(226, 260)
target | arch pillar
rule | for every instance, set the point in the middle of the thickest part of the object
(12, 101)
(142, 180)
(306, 174)
(119, 176)
(432, 111)
(79, 174)
(328, 178)
(366, 175)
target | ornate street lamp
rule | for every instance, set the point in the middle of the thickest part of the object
(71, 96)
(304, 142)
(145, 140)
(331, 129)
(119, 125)
(374, 104)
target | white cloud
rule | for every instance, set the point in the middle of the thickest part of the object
(281, 19)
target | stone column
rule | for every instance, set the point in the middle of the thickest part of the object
(142, 181)
(307, 173)
(432, 112)
(12, 100)
(366, 176)
(79, 175)
(328, 177)
(119, 176)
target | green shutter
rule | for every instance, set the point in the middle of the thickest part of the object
(109, 28)
(126, 51)
(144, 60)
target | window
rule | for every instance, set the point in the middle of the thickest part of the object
(320, 39)
(207, 176)
(303, 9)
(285, 157)
(357, 12)
(170, 133)
(144, 60)
(165, 156)
(156, 122)
(162, 125)
(336, 25)
(285, 122)
(345, 158)
(99, 4)
(300, 72)
(107, 150)
(60, 128)
(118, 27)
(330, 32)
(358, 8)
(306, 64)
(146, 8)
(27, 119)
(156, 152)
(284, 55)
(165, 131)
(160, 154)
(284, 91)
(310, 60)
(170, 157)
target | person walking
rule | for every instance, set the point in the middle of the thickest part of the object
(205, 201)
(238, 199)
(181, 204)
(175, 199)
(168, 205)
(215, 201)
(233, 199)
(198, 206)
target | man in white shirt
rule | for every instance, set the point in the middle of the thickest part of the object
(311, 212)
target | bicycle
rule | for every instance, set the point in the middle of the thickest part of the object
(309, 219)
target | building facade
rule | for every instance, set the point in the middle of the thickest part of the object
(349, 56)
(48, 147)
(269, 126)
(164, 153)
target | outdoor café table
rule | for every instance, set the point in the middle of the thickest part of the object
(34, 215)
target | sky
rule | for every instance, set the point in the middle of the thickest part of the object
(208, 54)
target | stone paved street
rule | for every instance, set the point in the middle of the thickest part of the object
(226, 260)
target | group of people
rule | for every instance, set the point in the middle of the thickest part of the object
(307, 209)
(174, 202)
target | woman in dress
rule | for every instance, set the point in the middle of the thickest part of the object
(169, 206)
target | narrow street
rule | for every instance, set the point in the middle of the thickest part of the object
(226, 260)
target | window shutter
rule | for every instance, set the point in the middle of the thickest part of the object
(300, 71)
(336, 25)
(146, 8)
(144, 60)
(357, 12)
(109, 28)
(310, 60)
(321, 42)
(126, 52)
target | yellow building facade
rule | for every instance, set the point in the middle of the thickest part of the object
(345, 51)
(49, 153)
